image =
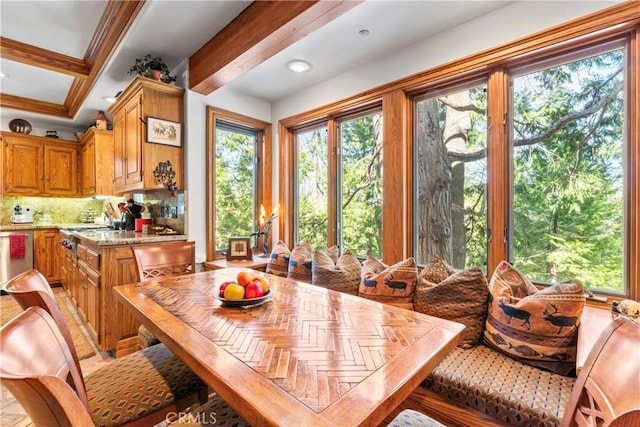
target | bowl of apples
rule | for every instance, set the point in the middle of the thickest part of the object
(248, 289)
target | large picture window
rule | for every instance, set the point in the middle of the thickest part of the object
(568, 139)
(450, 177)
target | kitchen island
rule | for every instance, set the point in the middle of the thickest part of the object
(93, 263)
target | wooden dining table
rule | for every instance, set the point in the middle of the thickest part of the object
(307, 356)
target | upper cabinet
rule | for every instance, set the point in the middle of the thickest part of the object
(96, 162)
(39, 166)
(135, 158)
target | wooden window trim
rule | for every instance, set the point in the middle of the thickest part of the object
(264, 177)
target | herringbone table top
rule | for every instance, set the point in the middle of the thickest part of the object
(321, 351)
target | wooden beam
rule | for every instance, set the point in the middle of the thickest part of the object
(262, 30)
(32, 105)
(116, 20)
(42, 58)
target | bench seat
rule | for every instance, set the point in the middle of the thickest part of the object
(500, 387)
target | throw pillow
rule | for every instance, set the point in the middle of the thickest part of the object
(539, 328)
(342, 275)
(392, 285)
(435, 272)
(300, 262)
(279, 260)
(461, 297)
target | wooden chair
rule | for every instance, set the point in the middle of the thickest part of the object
(161, 260)
(150, 383)
(607, 391)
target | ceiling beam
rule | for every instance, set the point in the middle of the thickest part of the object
(262, 30)
(116, 20)
(42, 58)
(33, 106)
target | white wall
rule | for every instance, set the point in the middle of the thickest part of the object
(195, 152)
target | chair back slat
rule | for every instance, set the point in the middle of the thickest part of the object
(39, 371)
(31, 289)
(165, 259)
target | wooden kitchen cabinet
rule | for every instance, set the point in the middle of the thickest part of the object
(88, 290)
(96, 162)
(46, 253)
(134, 157)
(52, 171)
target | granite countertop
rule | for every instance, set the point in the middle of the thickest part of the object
(60, 226)
(115, 238)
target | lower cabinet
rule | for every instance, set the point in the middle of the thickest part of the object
(46, 253)
(88, 290)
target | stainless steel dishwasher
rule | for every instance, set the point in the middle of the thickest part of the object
(11, 266)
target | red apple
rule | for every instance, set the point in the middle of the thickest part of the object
(253, 290)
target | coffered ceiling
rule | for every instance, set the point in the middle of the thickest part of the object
(61, 58)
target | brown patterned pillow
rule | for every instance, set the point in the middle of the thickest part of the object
(539, 328)
(343, 275)
(300, 262)
(392, 285)
(461, 297)
(435, 272)
(279, 260)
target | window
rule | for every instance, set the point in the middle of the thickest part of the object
(235, 195)
(238, 177)
(568, 144)
(360, 184)
(313, 187)
(355, 221)
(450, 176)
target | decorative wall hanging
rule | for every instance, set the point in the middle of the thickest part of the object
(165, 132)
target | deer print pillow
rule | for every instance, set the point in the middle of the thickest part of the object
(392, 285)
(300, 262)
(539, 328)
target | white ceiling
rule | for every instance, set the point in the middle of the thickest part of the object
(174, 30)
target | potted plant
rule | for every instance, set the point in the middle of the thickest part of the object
(153, 68)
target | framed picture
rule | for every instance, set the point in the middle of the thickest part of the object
(239, 248)
(165, 132)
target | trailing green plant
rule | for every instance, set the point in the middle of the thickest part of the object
(144, 65)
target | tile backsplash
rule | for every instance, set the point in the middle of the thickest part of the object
(164, 208)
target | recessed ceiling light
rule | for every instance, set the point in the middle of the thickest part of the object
(364, 32)
(3, 75)
(109, 99)
(298, 66)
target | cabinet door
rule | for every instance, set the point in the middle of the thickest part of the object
(23, 167)
(93, 303)
(118, 151)
(88, 168)
(61, 170)
(82, 291)
(46, 254)
(133, 143)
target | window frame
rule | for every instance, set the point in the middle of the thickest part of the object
(620, 20)
(263, 172)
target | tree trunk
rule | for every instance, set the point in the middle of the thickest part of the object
(433, 222)
(457, 124)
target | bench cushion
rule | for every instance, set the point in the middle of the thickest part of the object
(502, 388)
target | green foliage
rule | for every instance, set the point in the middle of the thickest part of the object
(144, 65)
(234, 198)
